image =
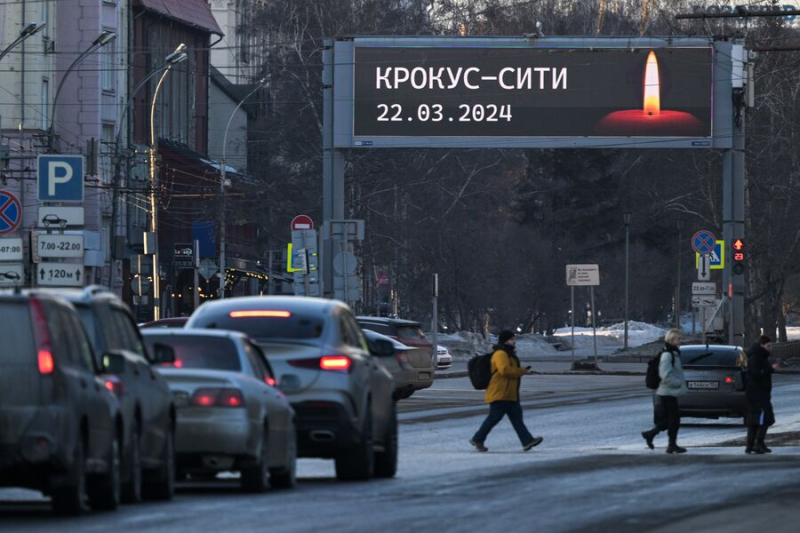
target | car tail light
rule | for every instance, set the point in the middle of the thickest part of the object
(338, 363)
(402, 358)
(260, 313)
(114, 384)
(218, 398)
(728, 379)
(270, 381)
(305, 363)
(42, 334)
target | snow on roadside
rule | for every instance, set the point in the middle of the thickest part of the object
(639, 333)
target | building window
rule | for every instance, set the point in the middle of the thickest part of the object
(107, 152)
(108, 66)
(45, 104)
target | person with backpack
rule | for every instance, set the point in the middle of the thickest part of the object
(671, 385)
(758, 390)
(502, 394)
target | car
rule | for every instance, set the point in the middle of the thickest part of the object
(443, 358)
(148, 459)
(230, 414)
(60, 427)
(410, 367)
(341, 395)
(408, 332)
(715, 377)
(174, 322)
(51, 220)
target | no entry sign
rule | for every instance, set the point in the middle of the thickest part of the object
(302, 222)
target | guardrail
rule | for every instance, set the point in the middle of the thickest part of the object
(786, 350)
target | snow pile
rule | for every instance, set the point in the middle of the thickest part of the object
(463, 345)
(639, 333)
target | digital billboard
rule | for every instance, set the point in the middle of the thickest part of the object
(532, 92)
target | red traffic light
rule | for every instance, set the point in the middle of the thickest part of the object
(738, 244)
(738, 256)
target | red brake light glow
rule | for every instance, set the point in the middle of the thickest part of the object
(260, 313)
(270, 381)
(728, 379)
(46, 363)
(114, 384)
(335, 362)
(218, 398)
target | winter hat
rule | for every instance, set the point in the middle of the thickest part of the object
(505, 336)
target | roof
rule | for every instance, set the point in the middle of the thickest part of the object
(195, 13)
(719, 347)
(387, 320)
(235, 92)
(297, 304)
(183, 332)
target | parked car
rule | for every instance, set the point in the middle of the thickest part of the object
(148, 460)
(410, 367)
(406, 331)
(174, 322)
(342, 396)
(60, 427)
(715, 377)
(230, 414)
(443, 358)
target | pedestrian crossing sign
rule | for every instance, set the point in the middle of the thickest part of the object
(717, 257)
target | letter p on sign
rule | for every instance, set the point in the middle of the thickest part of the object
(60, 178)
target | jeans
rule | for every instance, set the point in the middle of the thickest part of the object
(499, 409)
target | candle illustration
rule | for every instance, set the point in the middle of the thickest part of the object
(651, 120)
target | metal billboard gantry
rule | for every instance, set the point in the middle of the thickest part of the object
(553, 92)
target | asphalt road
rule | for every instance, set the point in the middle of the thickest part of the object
(592, 473)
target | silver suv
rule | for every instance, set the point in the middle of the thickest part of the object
(61, 427)
(341, 395)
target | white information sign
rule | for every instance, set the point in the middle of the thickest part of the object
(583, 275)
(704, 288)
(59, 275)
(53, 217)
(58, 245)
(11, 274)
(11, 249)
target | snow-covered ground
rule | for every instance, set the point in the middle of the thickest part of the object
(639, 333)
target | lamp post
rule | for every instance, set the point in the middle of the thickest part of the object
(222, 186)
(626, 219)
(103, 39)
(30, 29)
(175, 57)
(679, 224)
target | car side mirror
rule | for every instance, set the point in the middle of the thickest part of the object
(163, 354)
(113, 363)
(382, 348)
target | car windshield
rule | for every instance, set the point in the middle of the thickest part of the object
(265, 324)
(16, 333)
(201, 351)
(409, 332)
(709, 357)
(88, 321)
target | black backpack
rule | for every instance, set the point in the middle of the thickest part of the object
(653, 378)
(479, 369)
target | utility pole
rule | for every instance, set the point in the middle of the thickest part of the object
(435, 321)
(626, 218)
(678, 284)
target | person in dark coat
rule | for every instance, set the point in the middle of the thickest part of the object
(760, 415)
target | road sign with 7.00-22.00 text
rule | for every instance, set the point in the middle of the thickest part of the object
(583, 275)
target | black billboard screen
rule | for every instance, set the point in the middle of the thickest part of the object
(532, 92)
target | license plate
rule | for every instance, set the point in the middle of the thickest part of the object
(704, 385)
(424, 375)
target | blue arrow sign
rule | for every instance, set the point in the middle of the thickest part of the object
(10, 212)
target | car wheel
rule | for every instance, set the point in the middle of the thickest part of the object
(286, 478)
(256, 478)
(358, 463)
(132, 488)
(160, 484)
(72, 499)
(386, 461)
(105, 490)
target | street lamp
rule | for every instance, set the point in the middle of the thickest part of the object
(626, 219)
(30, 29)
(679, 224)
(222, 186)
(103, 39)
(175, 57)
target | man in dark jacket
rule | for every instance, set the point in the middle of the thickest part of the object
(759, 395)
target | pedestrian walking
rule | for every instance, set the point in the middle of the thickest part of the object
(502, 394)
(758, 390)
(666, 414)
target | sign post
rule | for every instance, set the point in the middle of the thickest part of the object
(584, 276)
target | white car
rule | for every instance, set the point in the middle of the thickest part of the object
(443, 358)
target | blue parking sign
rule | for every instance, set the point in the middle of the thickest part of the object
(60, 178)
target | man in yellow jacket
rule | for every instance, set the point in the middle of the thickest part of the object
(502, 394)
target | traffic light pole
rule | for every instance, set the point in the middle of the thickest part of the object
(733, 191)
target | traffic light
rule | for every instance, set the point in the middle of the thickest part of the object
(738, 256)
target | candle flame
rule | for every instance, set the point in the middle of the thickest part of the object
(652, 92)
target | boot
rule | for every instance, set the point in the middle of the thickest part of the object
(760, 436)
(751, 440)
(648, 437)
(674, 448)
